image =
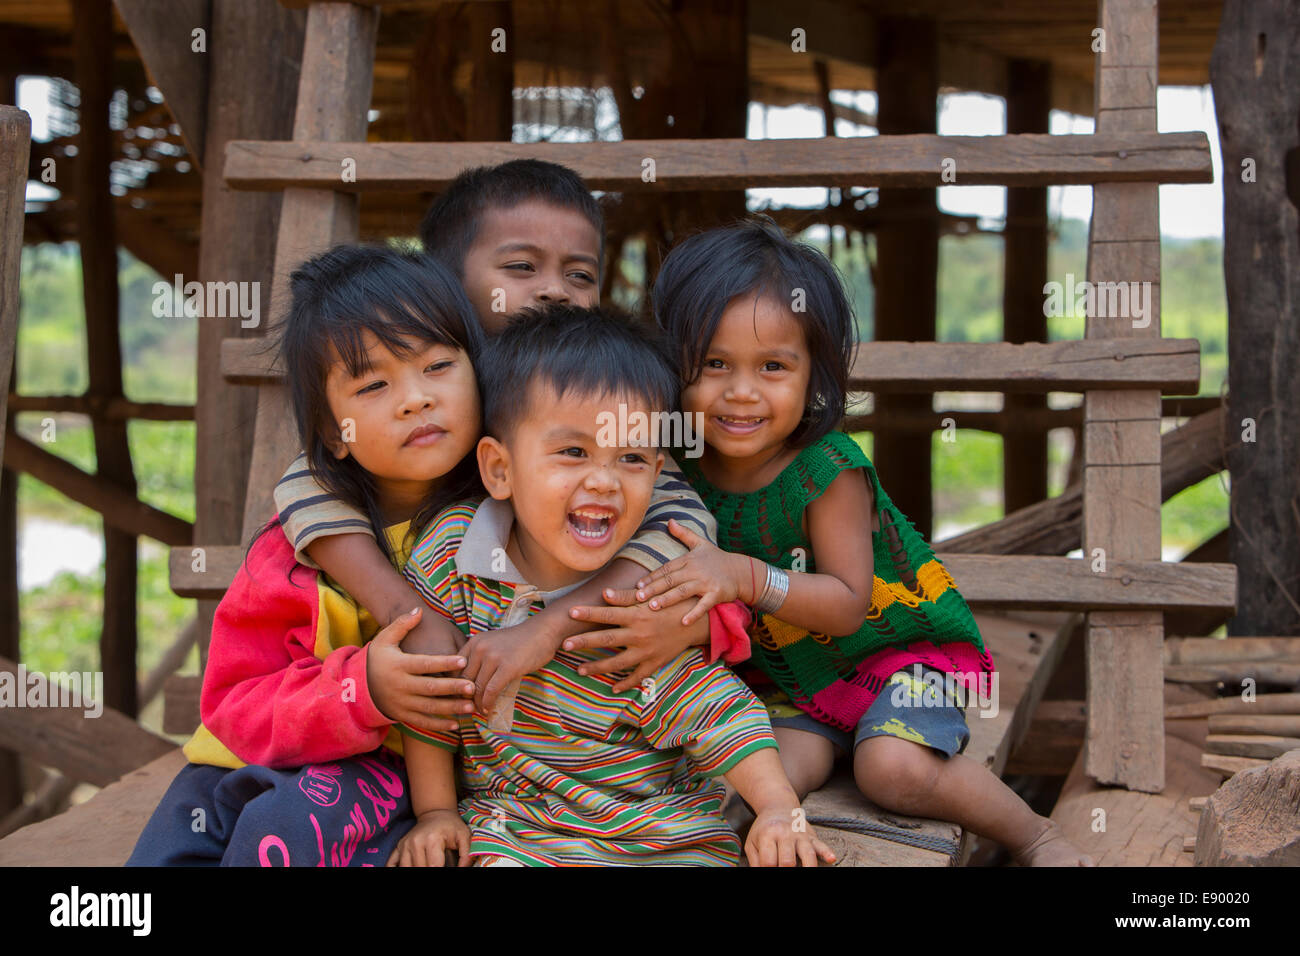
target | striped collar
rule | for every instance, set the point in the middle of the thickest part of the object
(484, 546)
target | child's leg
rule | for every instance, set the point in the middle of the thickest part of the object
(907, 758)
(911, 778)
(187, 827)
(351, 812)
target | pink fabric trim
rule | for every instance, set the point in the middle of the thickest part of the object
(728, 637)
(843, 703)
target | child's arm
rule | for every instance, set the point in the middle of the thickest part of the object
(651, 640)
(706, 710)
(779, 835)
(333, 536)
(439, 828)
(832, 601)
(266, 695)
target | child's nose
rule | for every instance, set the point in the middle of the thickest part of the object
(553, 292)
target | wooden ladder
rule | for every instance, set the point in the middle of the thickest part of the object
(1121, 369)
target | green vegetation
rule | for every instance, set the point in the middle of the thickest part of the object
(61, 618)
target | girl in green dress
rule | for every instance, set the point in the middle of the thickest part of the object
(864, 646)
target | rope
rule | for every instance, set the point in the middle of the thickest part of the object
(950, 848)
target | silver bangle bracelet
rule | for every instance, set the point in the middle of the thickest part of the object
(775, 589)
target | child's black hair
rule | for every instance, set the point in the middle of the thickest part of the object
(705, 272)
(583, 351)
(452, 222)
(337, 297)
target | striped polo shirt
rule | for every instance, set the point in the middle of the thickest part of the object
(585, 775)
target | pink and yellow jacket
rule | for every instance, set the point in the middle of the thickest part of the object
(286, 683)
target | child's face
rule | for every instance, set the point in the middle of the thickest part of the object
(408, 419)
(531, 254)
(577, 497)
(754, 383)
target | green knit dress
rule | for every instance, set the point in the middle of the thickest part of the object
(917, 614)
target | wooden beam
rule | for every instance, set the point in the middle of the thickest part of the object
(907, 251)
(915, 161)
(1188, 454)
(118, 506)
(1259, 704)
(248, 96)
(163, 35)
(333, 99)
(15, 139)
(1212, 650)
(1257, 99)
(115, 409)
(1044, 419)
(1054, 739)
(986, 580)
(1024, 269)
(1121, 463)
(96, 749)
(92, 36)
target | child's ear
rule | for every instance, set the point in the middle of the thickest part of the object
(494, 467)
(659, 464)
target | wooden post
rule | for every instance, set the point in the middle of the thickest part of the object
(1024, 266)
(333, 99)
(249, 97)
(1255, 72)
(907, 254)
(1121, 473)
(15, 141)
(92, 36)
(491, 105)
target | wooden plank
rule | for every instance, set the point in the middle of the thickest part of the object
(1257, 100)
(1264, 746)
(1140, 829)
(181, 695)
(909, 161)
(163, 36)
(1227, 766)
(118, 506)
(1121, 460)
(1235, 673)
(1259, 704)
(1172, 365)
(985, 580)
(251, 97)
(1053, 741)
(103, 830)
(88, 741)
(1280, 725)
(92, 41)
(333, 100)
(15, 140)
(114, 408)
(1204, 650)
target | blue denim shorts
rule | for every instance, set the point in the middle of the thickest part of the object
(907, 708)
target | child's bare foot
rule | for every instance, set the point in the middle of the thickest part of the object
(1051, 848)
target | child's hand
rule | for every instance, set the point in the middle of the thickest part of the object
(649, 639)
(706, 571)
(399, 688)
(498, 659)
(779, 838)
(435, 834)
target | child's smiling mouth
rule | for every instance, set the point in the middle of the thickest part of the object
(738, 425)
(592, 525)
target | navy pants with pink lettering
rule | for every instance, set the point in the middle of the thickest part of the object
(350, 812)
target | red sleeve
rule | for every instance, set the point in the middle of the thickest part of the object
(266, 695)
(727, 636)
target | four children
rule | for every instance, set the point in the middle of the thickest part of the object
(386, 364)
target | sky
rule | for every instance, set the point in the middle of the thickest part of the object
(1186, 211)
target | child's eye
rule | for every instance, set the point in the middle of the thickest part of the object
(714, 363)
(520, 266)
(635, 458)
(372, 387)
(573, 452)
(439, 366)
(772, 366)
(582, 276)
